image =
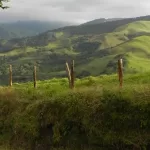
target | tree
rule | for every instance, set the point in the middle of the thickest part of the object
(2, 4)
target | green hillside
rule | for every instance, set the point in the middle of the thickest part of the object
(94, 54)
(126, 32)
(132, 28)
(137, 53)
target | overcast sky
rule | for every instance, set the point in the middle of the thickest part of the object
(78, 11)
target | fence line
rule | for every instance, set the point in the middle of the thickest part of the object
(70, 73)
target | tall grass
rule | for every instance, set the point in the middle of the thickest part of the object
(95, 115)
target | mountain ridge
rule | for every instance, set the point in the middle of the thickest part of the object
(101, 20)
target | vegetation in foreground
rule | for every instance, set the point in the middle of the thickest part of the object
(97, 115)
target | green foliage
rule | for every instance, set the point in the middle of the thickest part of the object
(96, 115)
(2, 4)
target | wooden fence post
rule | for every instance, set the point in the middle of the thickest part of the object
(34, 77)
(72, 75)
(120, 72)
(10, 75)
(69, 74)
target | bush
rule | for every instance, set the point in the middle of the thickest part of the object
(81, 119)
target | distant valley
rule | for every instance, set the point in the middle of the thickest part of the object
(27, 28)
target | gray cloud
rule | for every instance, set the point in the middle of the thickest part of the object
(73, 10)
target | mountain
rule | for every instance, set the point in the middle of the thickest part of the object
(101, 20)
(27, 28)
(95, 49)
(100, 28)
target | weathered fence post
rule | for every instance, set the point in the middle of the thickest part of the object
(34, 77)
(10, 75)
(72, 75)
(120, 72)
(69, 74)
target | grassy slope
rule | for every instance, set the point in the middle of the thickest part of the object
(96, 66)
(137, 53)
(121, 34)
(135, 27)
(113, 39)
